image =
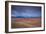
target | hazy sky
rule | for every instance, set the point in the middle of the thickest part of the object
(26, 11)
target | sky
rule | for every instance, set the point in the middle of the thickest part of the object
(25, 11)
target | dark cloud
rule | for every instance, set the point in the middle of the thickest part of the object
(26, 11)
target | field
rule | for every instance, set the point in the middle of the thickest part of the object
(25, 22)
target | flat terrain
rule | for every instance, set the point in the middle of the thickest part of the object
(25, 22)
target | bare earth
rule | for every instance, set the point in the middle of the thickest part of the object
(25, 22)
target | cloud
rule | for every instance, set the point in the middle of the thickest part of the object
(26, 11)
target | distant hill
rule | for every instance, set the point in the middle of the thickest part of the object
(24, 17)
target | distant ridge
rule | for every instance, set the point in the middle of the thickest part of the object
(24, 17)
